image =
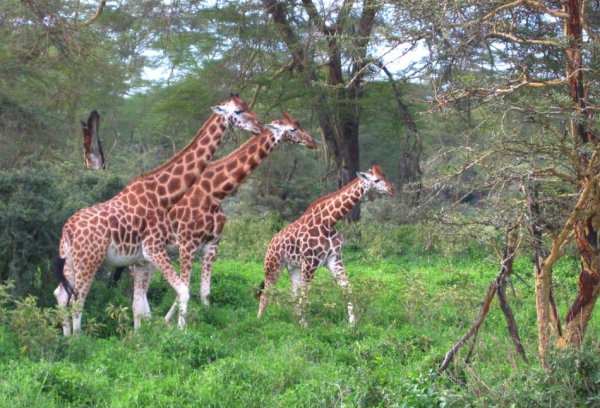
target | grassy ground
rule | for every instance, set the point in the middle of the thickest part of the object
(410, 311)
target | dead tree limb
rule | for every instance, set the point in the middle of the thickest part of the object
(500, 280)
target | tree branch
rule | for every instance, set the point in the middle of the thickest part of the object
(519, 40)
(96, 15)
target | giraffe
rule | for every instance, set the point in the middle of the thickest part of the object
(312, 241)
(130, 227)
(197, 220)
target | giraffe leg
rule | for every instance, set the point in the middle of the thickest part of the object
(62, 298)
(142, 275)
(83, 282)
(210, 254)
(308, 272)
(186, 257)
(273, 268)
(157, 254)
(336, 267)
(296, 284)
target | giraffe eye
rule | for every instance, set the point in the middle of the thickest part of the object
(293, 129)
(376, 180)
(237, 111)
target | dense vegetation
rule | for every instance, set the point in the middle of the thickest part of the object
(412, 305)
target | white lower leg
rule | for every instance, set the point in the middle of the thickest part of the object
(62, 299)
(262, 305)
(141, 308)
(183, 296)
(351, 317)
(76, 322)
(205, 291)
(171, 312)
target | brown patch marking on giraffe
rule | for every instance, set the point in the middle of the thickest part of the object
(178, 170)
(174, 185)
(239, 175)
(231, 165)
(205, 184)
(219, 179)
(190, 157)
(188, 179)
(164, 178)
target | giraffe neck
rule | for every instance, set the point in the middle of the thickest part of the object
(337, 205)
(226, 174)
(166, 184)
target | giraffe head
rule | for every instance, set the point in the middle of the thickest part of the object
(238, 114)
(374, 179)
(289, 130)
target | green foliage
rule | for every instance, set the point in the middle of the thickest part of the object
(34, 328)
(33, 208)
(410, 310)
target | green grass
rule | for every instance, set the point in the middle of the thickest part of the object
(410, 312)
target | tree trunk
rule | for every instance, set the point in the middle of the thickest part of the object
(542, 273)
(588, 285)
(586, 230)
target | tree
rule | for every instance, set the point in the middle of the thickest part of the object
(530, 65)
(330, 51)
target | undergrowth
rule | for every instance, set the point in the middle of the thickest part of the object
(412, 304)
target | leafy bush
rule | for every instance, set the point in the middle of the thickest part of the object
(34, 328)
(33, 208)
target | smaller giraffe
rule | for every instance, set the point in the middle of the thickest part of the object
(197, 220)
(312, 241)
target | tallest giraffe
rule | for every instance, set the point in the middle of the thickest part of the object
(130, 227)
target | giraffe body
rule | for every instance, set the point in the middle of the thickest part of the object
(312, 241)
(197, 220)
(131, 227)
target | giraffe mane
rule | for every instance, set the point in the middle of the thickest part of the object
(331, 195)
(237, 152)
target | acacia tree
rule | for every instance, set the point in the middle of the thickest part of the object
(532, 62)
(332, 51)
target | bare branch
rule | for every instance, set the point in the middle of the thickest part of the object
(96, 15)
(519, 40)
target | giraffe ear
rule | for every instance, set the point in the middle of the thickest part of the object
(363, 176)
(273, 127)
(219, 110)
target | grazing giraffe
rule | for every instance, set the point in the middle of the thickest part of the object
(312, 241)
(197, 220)
(130, 228)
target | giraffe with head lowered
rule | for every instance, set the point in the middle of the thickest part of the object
(131, 227)
(312, 241)
(197, 220)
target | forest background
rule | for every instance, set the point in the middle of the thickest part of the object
(481, 114)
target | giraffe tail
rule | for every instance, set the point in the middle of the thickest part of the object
(59, 266)
(260, 290)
